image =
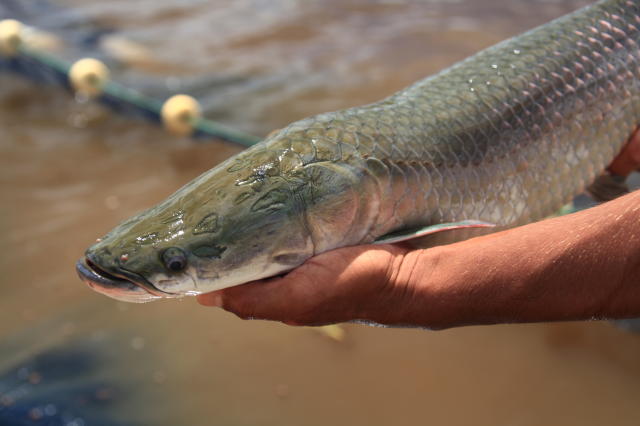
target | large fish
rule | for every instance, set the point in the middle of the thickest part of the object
(504, 137)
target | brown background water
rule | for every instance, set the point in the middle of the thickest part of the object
(69, 173)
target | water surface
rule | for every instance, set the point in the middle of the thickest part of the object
(69, 172)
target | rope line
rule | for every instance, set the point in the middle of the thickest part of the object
(42, 67)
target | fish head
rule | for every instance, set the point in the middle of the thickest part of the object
(216, 232)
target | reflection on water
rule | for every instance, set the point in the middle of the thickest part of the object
(69, 173)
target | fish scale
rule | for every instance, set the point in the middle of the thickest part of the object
(508, 135)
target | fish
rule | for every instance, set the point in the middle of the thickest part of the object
(503, 138)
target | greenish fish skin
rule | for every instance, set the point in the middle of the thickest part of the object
(506, 136)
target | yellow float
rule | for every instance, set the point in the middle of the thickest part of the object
(179, 114)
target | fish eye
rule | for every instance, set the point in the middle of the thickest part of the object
(174, 259)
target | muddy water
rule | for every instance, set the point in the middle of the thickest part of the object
(70, 172)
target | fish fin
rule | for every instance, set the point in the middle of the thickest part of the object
(408, 234)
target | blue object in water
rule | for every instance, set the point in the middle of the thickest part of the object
(60, 387)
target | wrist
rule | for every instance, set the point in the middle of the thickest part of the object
(574, 267)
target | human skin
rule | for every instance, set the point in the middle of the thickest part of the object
(581, 266)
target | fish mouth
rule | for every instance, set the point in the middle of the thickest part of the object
(116, 287)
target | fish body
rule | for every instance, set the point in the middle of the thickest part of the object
(506, 136)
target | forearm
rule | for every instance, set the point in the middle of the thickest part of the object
(579, 266)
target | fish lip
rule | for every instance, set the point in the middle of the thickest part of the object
(123, 290)
(117, 284)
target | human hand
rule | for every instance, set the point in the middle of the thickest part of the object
(360, 282)
(629, 158)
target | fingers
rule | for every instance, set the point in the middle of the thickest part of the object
(629, 158)
(298, 298)
(336, 286)
(213, 299)
(264, 299)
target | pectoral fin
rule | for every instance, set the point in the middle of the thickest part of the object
(408, 234)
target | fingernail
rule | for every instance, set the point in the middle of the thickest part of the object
(214, 300)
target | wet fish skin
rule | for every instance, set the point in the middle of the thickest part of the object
(507, 136)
